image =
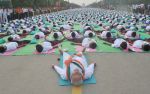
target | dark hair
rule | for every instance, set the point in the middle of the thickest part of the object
(73, 34)
(10, 39)
(133, 34)
(61, 29)
(89, 28)
(146, 47)
(108, 35)
(39, 48)
(2, 49)
(123, 45)
(122, 29)
(24, 32)
(90, 34)
(54, 25)
(93, 45)
(37, 36)
(55, 35)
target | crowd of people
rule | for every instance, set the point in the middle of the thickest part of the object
(8, 14)
(117, 29)
(127, 26)
(141, 8)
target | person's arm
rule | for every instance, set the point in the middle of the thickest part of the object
(61, 72)
(89, 71)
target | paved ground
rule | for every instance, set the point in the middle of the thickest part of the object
(116, 73)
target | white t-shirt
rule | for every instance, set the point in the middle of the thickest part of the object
(87, 41)
(41, 34)
(86, 34)
(117, 42)
(11, 46)
(16, 37)
(139, 43)
(86, 27)
(66, 27)
(148, 28)
(47, 46)
(77, 35)
(128, 34)
(103, 34)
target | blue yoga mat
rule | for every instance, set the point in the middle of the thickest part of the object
(62, 82)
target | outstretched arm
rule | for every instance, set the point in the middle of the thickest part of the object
(61, 72)
(89, 71)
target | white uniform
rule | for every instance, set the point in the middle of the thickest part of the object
(86, 34)
(86, 42)
(47, 46)
(128, 34)
(89, 70)
(77, 35)
(11, 46)
(103, 34)
(16, 37)
(86, 27)
(148, 28)
(139, 43)
(117, 42)
(41, 34)
(66, 27)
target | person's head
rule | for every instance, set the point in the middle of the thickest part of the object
(61, 29)
(90, 34)
(55, 35)
(73, 34)
(39, 48)
(76, 78)
(2, 49)
(108, 35)
(133, 34)
(37, 37)
(93, 45)
(24, 31)
(122, 29)
(123, 45)
(89, 28)
(10, 39)
(146, 47)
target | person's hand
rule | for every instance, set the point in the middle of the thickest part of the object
(53, 67)
(95, 65)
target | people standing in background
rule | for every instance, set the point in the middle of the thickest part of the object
(5, 15)
(1, 15)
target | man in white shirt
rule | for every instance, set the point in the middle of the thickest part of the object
(10, 46)
(86, 43)
(140, 44)
(105, 34)
(39, 35)
(75, 68)
(89, 33)
(131, 34)
(45, 46)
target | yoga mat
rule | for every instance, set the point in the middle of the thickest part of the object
(80, 48)
(144, 35)
(62, 82)
(66, 45)
(105, 48)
